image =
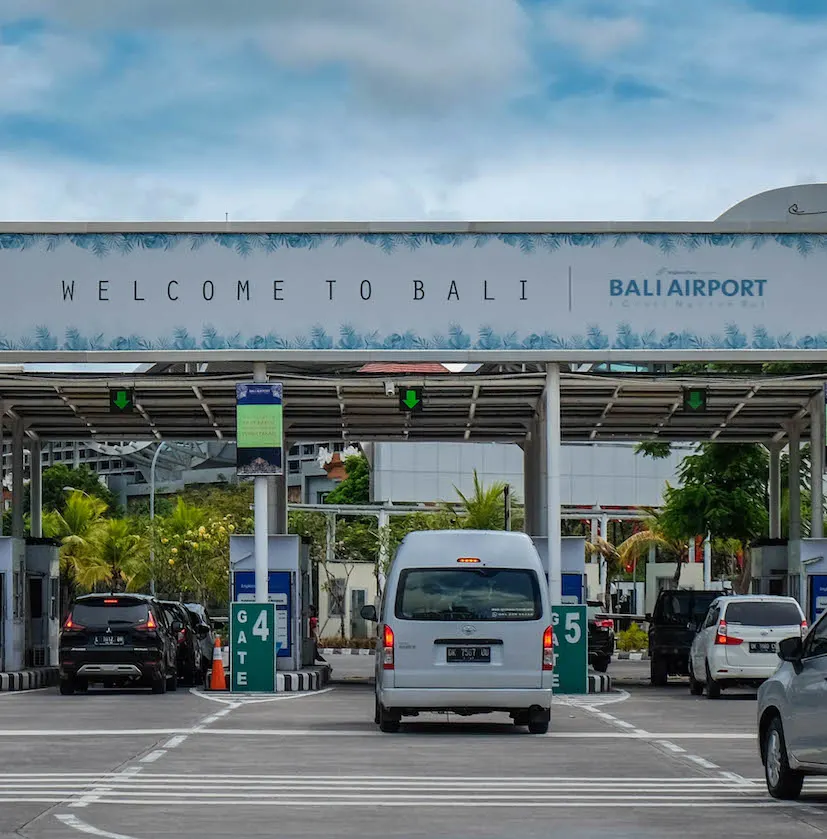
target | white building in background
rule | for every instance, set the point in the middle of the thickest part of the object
(600, 474)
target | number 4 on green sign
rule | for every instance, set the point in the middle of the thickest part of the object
(260, 628)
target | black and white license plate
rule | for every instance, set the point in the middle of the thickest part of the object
(463, 654)
(762, 647)
(109, 640)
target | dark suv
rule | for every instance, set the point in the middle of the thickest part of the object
(120, 640)
(672, 626)
(190, 665)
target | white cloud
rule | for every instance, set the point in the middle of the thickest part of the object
(594, 37)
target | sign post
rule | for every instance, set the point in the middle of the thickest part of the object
(252, 648)
(571, 649)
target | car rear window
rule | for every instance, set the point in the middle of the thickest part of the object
(757, 613)
(681, 607)
(101, 613)
(480, 594)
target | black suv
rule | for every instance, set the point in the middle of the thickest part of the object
(120, 640)
(190, 664)
(601, 637)
(672, 627)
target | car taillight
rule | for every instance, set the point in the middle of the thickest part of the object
(803, 628)
(150, 625)
(606, 623)
(724, 638)
(387, 648)
(548, 649)
(182, 636)
(70, 626)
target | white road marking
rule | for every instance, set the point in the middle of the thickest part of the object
(671, 746)
(702, 762)
(623, 724)
(83, 827)
(208, 720)
(240, 699)
(736, 778)
(12, 693)
(103, 786)
(153, 756)
(224, 712)
(175, 741)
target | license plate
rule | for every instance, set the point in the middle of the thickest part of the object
(468, 654)
(109, 640)
(762, 647)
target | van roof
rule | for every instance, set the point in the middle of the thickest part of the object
(443, 547)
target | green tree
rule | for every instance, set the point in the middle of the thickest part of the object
(117, 558)
(484, 509)
(57, 478)
(355, 488)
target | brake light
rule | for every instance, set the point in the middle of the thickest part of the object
(548, 649)
(723, 637)
(468, 559)
(150, 625)
(803, 628)
(606, 623)
(111, 600)
(387, 648)
(70, 626)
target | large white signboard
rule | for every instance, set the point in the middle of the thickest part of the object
(211, 291)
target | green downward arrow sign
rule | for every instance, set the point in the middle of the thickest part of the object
(121, 399)
(411, 399)
(695, 399)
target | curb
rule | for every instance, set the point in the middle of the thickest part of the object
(644, 656)
(294, 681)
(600, 683)
(345, 651)
(39, 677)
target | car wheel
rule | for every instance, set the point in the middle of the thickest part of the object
(696, 688)
(67, 687)
(782, 782)
(711, 688)
(389, 721)
(659, 675)
(172, 681)
(538, 723)
(522, 718)
(601, 665)
(159, 683)
(82, 685)
(376, 716)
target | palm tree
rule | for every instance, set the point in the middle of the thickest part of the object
(609, 555)
(484, 509)
(117, 559)
(638, 544)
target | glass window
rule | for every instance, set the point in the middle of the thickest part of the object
(480, 594)
(336, 591)
(308, 449)
(338, 447)
(766, 613)
(682, 607)
(293, 466)
(100, 613)
(712, 617)
(816, 643)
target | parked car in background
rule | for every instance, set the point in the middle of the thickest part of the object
(792, 724)
(672, 627)
(118, 640)
(601, 636)
(737, 643)
(190, 657)
(203, 626)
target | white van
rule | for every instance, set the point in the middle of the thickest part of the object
(465, 626)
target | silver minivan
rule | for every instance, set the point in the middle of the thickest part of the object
(464, 626)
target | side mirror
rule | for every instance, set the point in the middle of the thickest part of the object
(791, 649)
(368, 613)
(176, 626)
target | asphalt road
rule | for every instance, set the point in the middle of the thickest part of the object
(641, 762)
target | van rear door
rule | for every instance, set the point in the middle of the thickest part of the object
(468, 627)
(759, 625)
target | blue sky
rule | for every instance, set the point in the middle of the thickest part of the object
(443, 109)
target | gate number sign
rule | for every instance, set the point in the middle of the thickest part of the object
(571, 649)
(253, 648)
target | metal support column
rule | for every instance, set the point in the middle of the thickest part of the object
(17, 479)
(36, 489)
(794, 542)
(2, 469)
(260, 514)
(817, 466)
(552, 460)
(708, 562)
(775, 491)
(531, 474)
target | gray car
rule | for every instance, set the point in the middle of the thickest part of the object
(792, 714)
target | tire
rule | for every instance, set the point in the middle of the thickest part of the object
(782, 782)
(601, 665)
(159, 684)
(82, 685)
(522, 718)
(67, 687)
(658, 672)
(376, 717)
(389, 722)
(538, 723)
(172, 682)
(696, 688)
(712, 689)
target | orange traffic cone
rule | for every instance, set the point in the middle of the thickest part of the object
(217, 678)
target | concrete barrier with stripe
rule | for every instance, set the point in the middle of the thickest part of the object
(38, 677)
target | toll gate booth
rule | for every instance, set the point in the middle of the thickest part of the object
(289, 587)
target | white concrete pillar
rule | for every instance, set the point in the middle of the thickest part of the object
(708, 562)
(36, 489)
(531, 474)
(775, 491)
(2, 467)
(17, 479)
(817, 465)
(553, 447)
(794, 540)
(260, 515)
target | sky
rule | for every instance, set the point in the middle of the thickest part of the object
(406, 109)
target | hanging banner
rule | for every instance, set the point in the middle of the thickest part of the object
(259, 429)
